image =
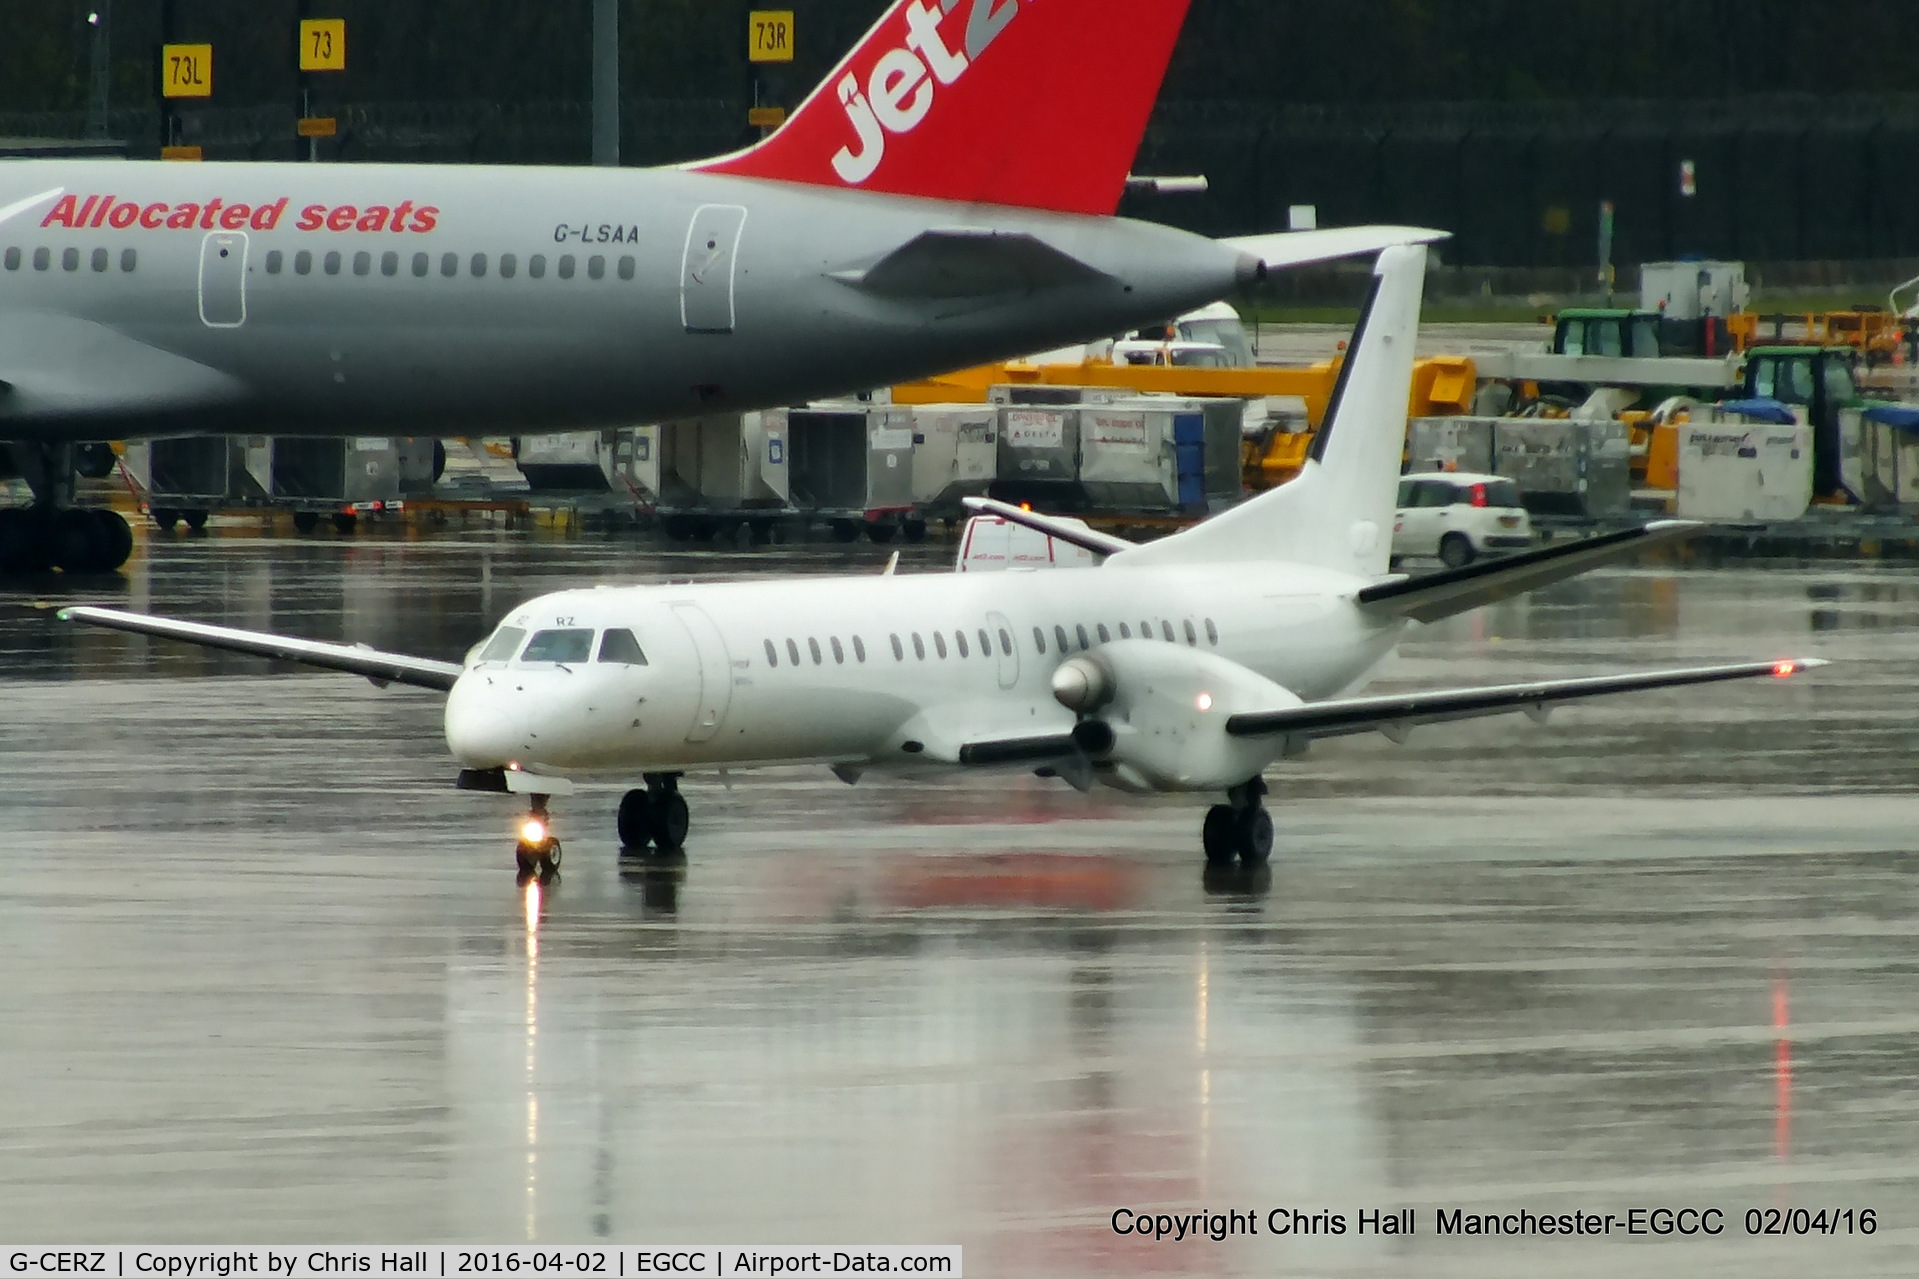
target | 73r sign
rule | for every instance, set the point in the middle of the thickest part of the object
(769, 35)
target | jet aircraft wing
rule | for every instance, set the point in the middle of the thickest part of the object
(1429, 597)
(1396, 713)
(1281, 249)
(380, 667)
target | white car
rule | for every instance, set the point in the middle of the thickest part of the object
(1458, 517)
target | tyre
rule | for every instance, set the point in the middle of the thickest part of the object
(846, 531)
(1220, 835)
(914, 531)
(881, 533)
(527, 859)
(1455, 551)
(79, 543)
(1255, 836)
(23, 548)
(344, 524)
(116, 539)
(305, 521)
(635, 821)
(195, 520)
(439, 460)
(94, 461)
(164, 518)
(670, 820)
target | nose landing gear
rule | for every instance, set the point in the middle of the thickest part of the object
(538, 852)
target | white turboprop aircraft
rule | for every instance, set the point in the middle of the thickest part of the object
(1189, 664)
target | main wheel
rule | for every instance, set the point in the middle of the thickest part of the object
(846, 531)
(1455, 551)
(24, 546)
(344, 523)
(1220, 835)
(196, 519)
(116, 539)
(914, 530)
(881, 533)
(305, 521)
(670, 820)
(1255, 830)
(79, 542)
(164, 518)
(636, 819)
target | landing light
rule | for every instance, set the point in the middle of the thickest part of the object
(534, 831)
(1783, 669)
(1205, 701)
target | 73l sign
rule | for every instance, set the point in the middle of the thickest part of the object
(186, 70)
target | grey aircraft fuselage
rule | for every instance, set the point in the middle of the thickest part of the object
(494, 300)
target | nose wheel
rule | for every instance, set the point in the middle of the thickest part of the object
(1240, 829)
(537, 853)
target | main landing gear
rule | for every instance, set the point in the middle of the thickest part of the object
(1240, 829)
(655, 816)
(538, 852)
(52, 532)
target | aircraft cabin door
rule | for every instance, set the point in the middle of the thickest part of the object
(706, 271)
(223, 280)
(1006, 641)
(716, 672)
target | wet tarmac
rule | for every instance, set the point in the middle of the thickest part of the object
(268, 976)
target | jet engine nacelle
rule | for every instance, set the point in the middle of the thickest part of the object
(1155, 715)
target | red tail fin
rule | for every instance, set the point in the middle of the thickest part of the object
(1034, 103)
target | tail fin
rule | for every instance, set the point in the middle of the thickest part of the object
(1034, 103)
(1338, 512)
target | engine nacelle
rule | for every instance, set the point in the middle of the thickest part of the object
(1161, 715)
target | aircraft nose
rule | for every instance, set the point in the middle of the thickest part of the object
(485, 723)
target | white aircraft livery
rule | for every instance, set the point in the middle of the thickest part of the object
(945, 198)
(1190, 664)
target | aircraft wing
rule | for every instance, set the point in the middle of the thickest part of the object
(1073, 533)
(1282, 249)
(1397, 713)
(354, 659)
(1429, 597)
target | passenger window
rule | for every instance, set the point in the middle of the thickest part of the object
(626, 267)
(1105, 636)
(1059, 636)
(302, 262)
(772, 654)
(70, 259)
(362, 262)
(899, 654)
(566, 266)
(1146, 630)
(42, 259)
(1125, 631)
(596, 267)
(1039, 640)
(274, 261)
(939, 643)
(792, 653)
(508, 265)
(13, 259)
(919, 646)
(477, 265)
(100, 259)
(959, 637)
(559, 646)
(129, 259)
(389, 263)
(1167, 629)
(813, 647)
(1084, 643)
(620, 646)
(421, 264)
(1212, 633)
(839, 654)
(331, 263)
(985, 643)
(1192, 637)
(536, 266)
(449, 265)
(1005, 643)
(505, 643)
(859, 648)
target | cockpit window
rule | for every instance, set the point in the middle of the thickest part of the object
(620, 646)
(559, 646)
(505, 642)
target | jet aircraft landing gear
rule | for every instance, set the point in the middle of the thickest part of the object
(1240, 829)
(538, 852)
(655, 816)
(52, 532)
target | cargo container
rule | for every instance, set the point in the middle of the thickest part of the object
(1039, 456)
(1206, 431)
(1564, 467)
(1450, 444)
(1731, 468)
(1129, 458)
(955, 454)
(851, 466)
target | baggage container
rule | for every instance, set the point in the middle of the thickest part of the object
(1450, 444)
(955, 453)
(1038, 453)
(719, 462)
(330, 473)
(850, 460)
(1129, 458)
(1565, 467)
(201, 472)
(1731, 468)
(1206, 431)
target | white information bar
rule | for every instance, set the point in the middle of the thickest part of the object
(704, 1261)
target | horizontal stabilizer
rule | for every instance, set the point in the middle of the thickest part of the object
(1399, 712)
(1280, 249)
(381, 668)
(1435, 595)
(969, 264)
(1071, 532)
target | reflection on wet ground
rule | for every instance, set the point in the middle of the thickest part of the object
(269, 977)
